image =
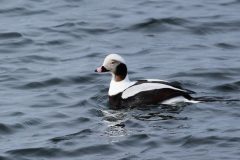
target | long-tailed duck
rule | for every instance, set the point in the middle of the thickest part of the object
(125, 93)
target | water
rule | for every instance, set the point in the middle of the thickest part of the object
(53, 105)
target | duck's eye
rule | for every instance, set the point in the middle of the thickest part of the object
(113, 62)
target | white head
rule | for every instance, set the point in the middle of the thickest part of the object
(115, 64)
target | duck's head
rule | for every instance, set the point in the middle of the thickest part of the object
(115, 64)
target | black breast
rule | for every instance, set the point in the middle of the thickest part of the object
(115, 101)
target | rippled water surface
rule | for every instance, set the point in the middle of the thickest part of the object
(53, 106)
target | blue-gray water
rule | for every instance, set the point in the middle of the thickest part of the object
(53, 106)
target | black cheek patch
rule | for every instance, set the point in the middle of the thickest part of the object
(121, 70)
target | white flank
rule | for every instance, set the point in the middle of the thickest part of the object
(179, 99)
(155, 80)
(145, 87)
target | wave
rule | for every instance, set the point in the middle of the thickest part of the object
(4, 129)
(80, 134)
(226, 46)
(36, 152)
(154, 24)
(205, 28)
(214, 73)
(195, 141)
(23, 11)
(228, 87)
(8, 35)
(38, 58)
(86, 79)
(188, 24)
(104, 149)
(15, 41)
(7, 129)
(233, 2)
(46, 83)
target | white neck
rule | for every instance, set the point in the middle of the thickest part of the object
(119, 86)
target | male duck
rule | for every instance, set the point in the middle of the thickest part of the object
(125, 93)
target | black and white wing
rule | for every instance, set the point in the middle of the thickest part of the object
(153, 92)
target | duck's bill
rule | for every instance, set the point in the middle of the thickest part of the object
(101, 69)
